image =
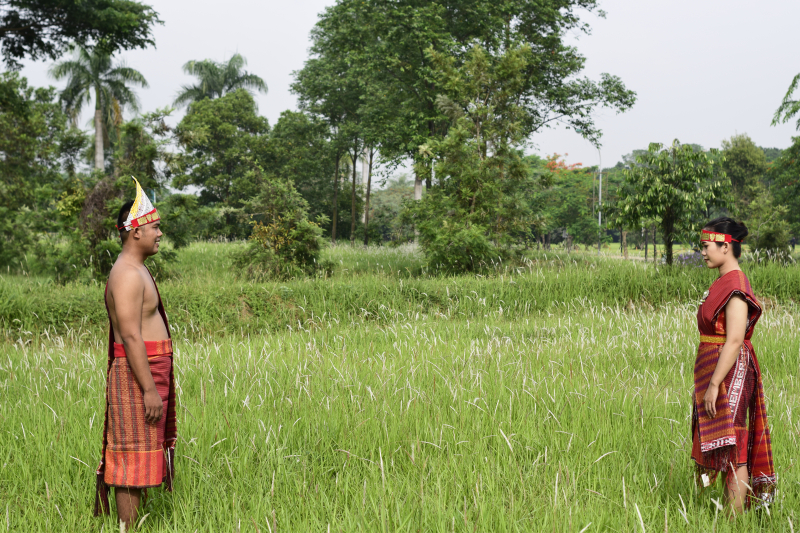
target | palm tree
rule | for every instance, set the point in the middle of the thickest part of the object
(94, 70)
(216, 79)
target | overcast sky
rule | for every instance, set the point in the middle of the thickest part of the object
(703, 70)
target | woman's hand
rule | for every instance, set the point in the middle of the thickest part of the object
(710, 400)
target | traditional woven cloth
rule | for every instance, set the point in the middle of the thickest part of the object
(718, 442)
(135, 453)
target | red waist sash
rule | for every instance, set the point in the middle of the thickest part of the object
(153, 348)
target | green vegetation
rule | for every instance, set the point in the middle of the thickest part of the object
(217, 79)
(93, 70)
(676, 185)
(382, 401)
(206, 296)
(37, 29)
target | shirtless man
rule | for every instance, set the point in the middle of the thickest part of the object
(139, 434)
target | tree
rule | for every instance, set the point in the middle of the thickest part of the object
(218, 79)
(329, 89)
(143, 150)
(677, 185)
(566, 201)
(45, 28)
(95, 71)
(745, 164)
(31, 127)
(769, 230)
(385, 42)
(785, 177)
(472, 216)
(225, 149)
(304, 155)
(789, 108)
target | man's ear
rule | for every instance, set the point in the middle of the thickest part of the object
(136, 233)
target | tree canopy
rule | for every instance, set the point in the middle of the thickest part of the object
(94, 70)
(677, 185)
(218, 79)
(39, 29)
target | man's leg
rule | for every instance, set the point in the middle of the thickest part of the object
(127, 504)
(736, 489)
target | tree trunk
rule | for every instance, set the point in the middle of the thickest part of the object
(99, 162)
(335, 196)
(625, 244)
(646, 235)
(417, 198)
(366, 200)
(364, 171)
(353, 200)
(669, 236)
(655, 245)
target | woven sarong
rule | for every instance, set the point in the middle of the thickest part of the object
(722, 441)
(136, 454)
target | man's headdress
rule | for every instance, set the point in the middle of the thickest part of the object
(142, 211)
(713, 236)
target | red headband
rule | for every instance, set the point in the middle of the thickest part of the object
(712, 236)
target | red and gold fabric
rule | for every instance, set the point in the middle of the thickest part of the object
(135, 453)
(732, 437)
(713, 236)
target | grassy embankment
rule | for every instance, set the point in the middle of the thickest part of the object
(429, 409)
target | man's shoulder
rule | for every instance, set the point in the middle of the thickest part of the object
(125, 274)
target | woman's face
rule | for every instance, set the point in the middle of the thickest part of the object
(714, 254)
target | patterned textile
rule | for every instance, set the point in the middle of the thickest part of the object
(722, 441)
(134, 453)
(142, 211)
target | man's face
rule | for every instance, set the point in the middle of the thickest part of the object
(149, 237)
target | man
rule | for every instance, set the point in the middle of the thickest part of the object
(140, 431)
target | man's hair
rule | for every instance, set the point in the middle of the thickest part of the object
(729, 226)
(124, 211)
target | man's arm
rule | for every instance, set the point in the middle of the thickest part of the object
(128, 295)
(735, 326)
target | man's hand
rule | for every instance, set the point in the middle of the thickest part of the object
(153, 406)
(710, 400)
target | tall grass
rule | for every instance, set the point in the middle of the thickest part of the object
(207, 296)
(573, 422)
(552, 397)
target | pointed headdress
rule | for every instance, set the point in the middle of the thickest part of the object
(142, 211)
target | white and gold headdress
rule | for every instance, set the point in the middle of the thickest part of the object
(142, 211)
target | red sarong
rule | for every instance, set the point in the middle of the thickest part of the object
(137, 454)
(722, 441)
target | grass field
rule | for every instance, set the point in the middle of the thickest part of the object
(464, 416)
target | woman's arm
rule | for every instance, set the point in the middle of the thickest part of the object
(735, 326)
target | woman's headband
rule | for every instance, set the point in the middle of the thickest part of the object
(713, 236)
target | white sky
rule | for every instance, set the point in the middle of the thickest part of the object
(703, 69)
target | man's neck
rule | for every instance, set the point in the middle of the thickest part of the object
(133, 256)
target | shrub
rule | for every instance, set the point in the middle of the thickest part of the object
(284, 243)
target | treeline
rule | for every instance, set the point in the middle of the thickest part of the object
(452, 93)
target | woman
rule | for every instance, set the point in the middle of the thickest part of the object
(727, 378)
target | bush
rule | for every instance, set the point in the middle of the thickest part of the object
(284, 243)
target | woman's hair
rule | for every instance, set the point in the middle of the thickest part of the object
(727, 225)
